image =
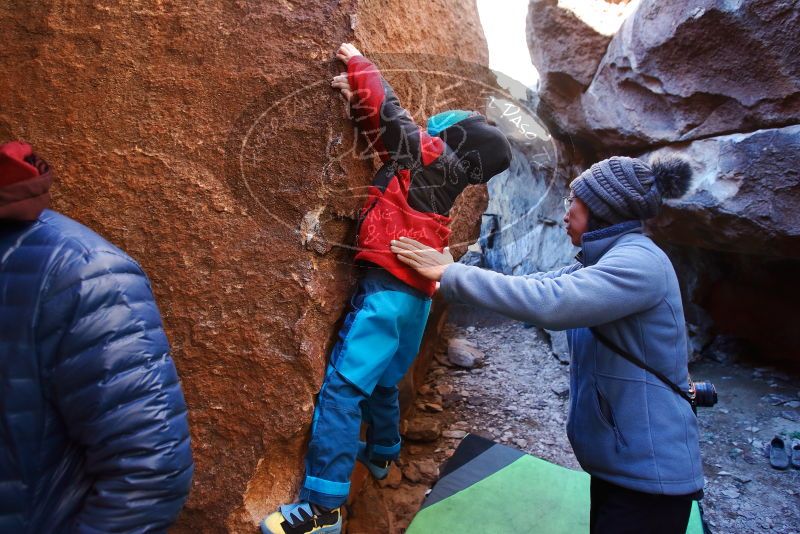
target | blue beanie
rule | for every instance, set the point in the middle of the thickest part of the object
(445, 119)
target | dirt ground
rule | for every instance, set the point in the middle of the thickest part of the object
(519, 397)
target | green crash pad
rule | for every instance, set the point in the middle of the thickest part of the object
(497, 489)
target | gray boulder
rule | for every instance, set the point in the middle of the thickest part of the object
(566, 51)
(463, 353)
(677, 73)
(744, 195)
(522, 231)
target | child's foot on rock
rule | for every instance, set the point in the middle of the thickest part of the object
(378, 468)
(302, 518)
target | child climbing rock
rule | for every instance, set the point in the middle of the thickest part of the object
(423, 172)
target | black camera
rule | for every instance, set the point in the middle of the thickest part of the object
(703, 394)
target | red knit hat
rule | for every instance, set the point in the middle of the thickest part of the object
(13, 167)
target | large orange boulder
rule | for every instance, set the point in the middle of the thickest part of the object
(204, 139)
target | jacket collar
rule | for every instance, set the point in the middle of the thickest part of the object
(594, 244)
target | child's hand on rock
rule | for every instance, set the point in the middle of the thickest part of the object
(341, 83)
(347, 51)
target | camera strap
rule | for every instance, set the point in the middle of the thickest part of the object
(639, 363)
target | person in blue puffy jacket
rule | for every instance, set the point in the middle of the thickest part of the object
(94, 435)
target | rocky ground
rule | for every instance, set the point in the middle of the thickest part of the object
(516, 392)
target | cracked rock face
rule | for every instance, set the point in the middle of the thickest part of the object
(677, 72)
(566, 51)
(204, 140)
(734, 239)
(744, 196)
(523, 230)
(672, 72)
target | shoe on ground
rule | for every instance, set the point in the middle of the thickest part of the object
(379, 470)
(795, 459)
(300, 518)
(778, 458)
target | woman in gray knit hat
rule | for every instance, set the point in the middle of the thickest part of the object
(636, 437)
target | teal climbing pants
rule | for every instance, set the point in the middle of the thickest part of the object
(377, 344)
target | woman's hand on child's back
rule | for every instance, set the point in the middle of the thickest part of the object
(426, 260)
(347, 51)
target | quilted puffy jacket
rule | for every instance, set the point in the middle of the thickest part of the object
(93, 428)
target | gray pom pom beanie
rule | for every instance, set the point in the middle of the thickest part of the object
(619, 189)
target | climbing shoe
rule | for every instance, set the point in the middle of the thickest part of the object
(778, 457)
(301, 518)
(378, 468)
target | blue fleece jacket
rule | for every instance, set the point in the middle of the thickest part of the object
(624, 424)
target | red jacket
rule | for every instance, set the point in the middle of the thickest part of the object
(422, 174)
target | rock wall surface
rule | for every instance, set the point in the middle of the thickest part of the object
(204, 139)
(567, 39)
(718, 84)
(672, 72)
(522, 230)
(746, 187)
(678, 71)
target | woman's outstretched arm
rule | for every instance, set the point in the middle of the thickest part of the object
(629, 279)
